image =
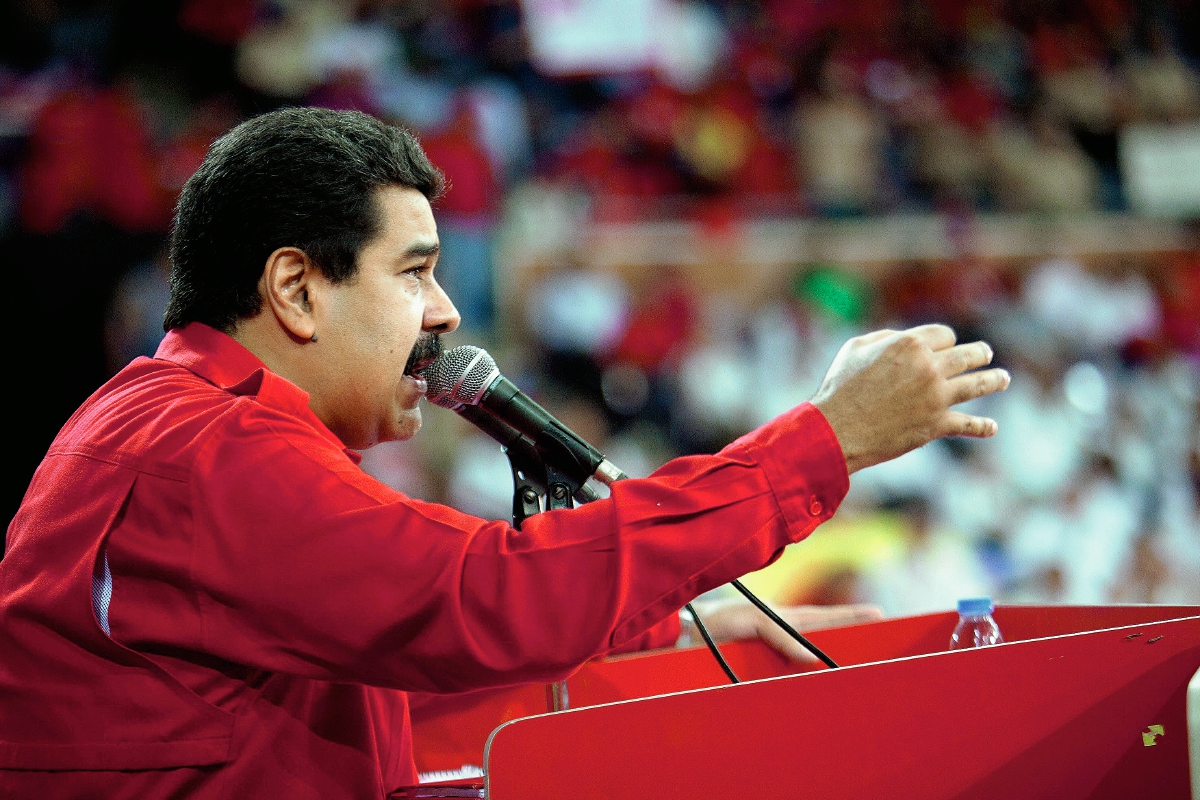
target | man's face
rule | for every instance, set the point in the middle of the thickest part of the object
(368, 326)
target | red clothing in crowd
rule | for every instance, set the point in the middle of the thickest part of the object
(90, 149)
(204, 596)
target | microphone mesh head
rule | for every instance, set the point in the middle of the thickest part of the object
(460, 376)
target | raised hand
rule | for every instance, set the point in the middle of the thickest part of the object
(889, 392)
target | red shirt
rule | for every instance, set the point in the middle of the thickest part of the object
(270, 602)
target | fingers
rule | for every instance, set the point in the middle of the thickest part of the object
(777, 638)
(732, 620)
(962, 358)
(935, 337)
(811, 618)
(840, 616)
(974, 385)
(960, 424)
(963, 385)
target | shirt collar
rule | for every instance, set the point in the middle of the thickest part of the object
(222, 361)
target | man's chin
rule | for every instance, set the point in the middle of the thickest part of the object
(408, 425)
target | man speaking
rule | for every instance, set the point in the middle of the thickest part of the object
(204, 597)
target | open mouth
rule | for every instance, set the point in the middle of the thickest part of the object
(426, 350)
(418, 369)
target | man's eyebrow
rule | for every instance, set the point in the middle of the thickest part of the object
(423, 250)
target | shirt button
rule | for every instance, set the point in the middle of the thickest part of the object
(814, 507)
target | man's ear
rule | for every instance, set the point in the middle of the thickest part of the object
(287, 278)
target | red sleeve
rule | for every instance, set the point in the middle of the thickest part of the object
(300, 563)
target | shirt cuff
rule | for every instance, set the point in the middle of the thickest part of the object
(803, 462)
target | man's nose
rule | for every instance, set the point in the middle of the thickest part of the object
(440, 314)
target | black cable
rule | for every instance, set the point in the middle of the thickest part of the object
(712, 646)
(788, 629)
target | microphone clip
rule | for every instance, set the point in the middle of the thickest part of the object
(537, 487)
(538, 484)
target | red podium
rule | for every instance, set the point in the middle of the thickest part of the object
(1080, 702)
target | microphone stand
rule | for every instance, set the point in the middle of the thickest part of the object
(537, 487)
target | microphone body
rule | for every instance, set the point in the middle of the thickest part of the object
(467, 377)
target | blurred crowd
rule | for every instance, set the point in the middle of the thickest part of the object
(830, 107)
(746, 109)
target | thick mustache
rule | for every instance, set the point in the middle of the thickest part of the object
(426, 350)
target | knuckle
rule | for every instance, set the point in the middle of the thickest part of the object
(898, 344)
(979, 427)
(928, 370)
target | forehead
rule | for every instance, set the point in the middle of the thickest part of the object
(405, 220)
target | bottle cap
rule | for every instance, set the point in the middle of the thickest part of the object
(975, 606)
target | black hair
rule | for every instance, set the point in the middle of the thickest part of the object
(298, 177)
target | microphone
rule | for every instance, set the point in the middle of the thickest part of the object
(466, 378)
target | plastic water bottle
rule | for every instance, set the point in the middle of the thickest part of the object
(975, 628)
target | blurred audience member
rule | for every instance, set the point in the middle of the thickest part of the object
(839, 140)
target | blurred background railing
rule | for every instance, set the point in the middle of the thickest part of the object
(664, 218)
